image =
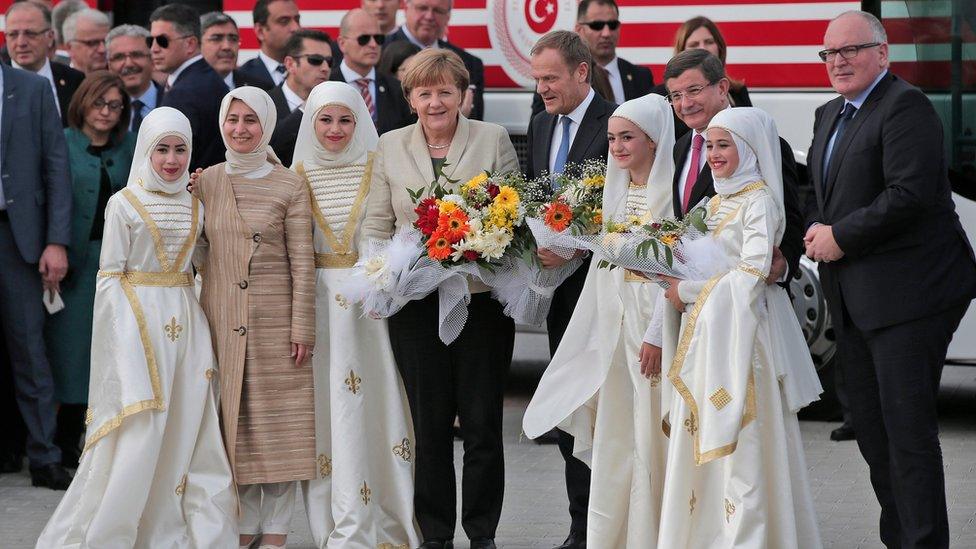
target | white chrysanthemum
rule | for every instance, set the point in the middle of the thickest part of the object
(494, 242)
(474, 224)
(455, 198)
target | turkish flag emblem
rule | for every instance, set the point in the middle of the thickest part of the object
(541, 15)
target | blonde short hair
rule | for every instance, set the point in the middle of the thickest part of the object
(433, 66)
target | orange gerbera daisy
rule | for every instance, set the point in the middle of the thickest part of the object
(454, 225)
(558, 216)
(438, 247)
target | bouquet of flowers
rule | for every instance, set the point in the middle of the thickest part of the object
(578, 206)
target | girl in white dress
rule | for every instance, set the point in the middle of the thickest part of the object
(597, 388)
(154, 472)
(363, 496)
(736, 475)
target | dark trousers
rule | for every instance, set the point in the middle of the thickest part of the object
(892, 376)
(14, 433)
(23, 327)
(465, 379)
(577, 473)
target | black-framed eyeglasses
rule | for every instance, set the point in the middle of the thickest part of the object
(114, 106)
(163, 40)
(847, 52)
(614, 24)
(363, 39)
(691, 92)
(122, 56)
(218, 38)
(28, 34)
(315, 59)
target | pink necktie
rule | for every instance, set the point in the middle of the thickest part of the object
(367, 97)
(696, 149)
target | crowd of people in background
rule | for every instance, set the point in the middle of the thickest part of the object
(308, 148)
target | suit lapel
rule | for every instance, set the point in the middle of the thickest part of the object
(383, 101)
(840, 149)
(6, 120)
(681, 155)
(589, 129)
(626, 79)
(704, 185)
(420, 154)
(458, 145)
(544, 143)
(819, 146)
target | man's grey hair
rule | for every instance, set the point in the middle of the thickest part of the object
(570, 47)
(214, 18)
(450, 4)
(70, 29)
(17, 6)
(126, 30)
(61, 12)
(710, 66)
(878, 33)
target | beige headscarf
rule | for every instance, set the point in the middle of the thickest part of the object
(262, 155)
(161, 122)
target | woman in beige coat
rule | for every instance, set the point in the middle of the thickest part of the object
(259, 297)
(465, 379)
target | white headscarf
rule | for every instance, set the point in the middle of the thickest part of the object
(161, 122)
(760, 159)
(262, 155)
(652, 114)
(310, 151)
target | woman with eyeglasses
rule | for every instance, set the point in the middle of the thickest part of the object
(100, 152)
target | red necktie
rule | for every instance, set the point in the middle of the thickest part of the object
(696, 149)
(367, 97)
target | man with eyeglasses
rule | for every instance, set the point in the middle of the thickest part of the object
(128, 57)
(29, 42)
(221, 44)
(84, 34)
(275, 21)
(360, 41)
(192, 86)
(425, 26)
(897, 270)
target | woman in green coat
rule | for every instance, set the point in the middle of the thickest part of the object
(100, 150)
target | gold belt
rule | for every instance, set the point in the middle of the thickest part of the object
(141, 278)
(336, 261)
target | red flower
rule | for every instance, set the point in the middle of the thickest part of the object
(454, 226)
(427, 216)
(655, 226)
(470, 255)
(492, 190)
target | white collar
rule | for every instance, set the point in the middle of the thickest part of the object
(294, 100)
(577, 114)
(351, 75)
(171, 79)
(863, 96)
(269, 63)
(229, 80)
(418, 43)
(612, 66)
(44, 71)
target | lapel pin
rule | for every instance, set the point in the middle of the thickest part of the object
(382, 89)
(61, 82)
(630, 77)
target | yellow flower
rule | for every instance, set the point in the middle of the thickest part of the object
(598, 216)
(500, 217)
(631, 219)
(669, 240)
(507, 197)
(594, 181)
(475, 182)
(446, 206)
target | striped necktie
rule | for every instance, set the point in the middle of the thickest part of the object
(363, 84)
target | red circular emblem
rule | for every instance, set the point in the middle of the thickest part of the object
(541, 14)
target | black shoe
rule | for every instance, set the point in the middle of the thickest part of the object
(576, 540)
(437, 544)
(483, 543)
(844, 432)
(11, 462)
(52, 475)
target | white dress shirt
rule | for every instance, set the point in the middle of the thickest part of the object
(272, 66)
(576, 117)
(350, 76)
(616, 81)
(293, 99)
(150, 100)
(45, 71)
(171, 79)
(229, 80)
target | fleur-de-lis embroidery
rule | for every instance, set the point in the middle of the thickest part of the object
(691, 425)
(325, 465)
(181, 487)
(342, 301)
(173, 329)
(729, 510)
(365, 492)
(402, 450)
(655, 379)
(352, 382)
(691, 503)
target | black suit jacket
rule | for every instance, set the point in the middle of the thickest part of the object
(888, 199)
(197, 93)
(476, 71)
(637, 81)
(590, 141)
(255, 71)
(792, 244)
(280, 102)
(392, 111)
(66, 81)
(253, 78)
(285, 135)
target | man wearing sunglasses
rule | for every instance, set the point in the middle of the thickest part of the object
(308, 58)
(192, 86)
(221, 44)
(84, 35)
(598, 24)
(274, 23)
(29, 42)
(360, 40)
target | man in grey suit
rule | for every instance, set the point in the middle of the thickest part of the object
(35, 221)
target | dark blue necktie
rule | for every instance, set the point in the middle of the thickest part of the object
(137, 115)
(845, 116)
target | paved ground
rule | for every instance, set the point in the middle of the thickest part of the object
(535, 506)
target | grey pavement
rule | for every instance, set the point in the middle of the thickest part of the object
(535, 512)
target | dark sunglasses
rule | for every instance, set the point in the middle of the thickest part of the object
(315, 59)
(598, 25)
(163, 40)
(363, 39)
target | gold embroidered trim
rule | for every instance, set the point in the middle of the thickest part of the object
(353, 382)
(89, 417)
(336, 261)
(388, 545)
(365, 492)
(191, 239)
(146, 278)
(666, 428)
(402, 450)
(716, 201)
(157, 235)
(720, 398)
(655, 379)
(749, 269)
(631, 277)
(173, 330)
(691, 503)
(210, 373)
(729, 510)
(345, 245)
(726, 220)
(325, 465)
(181, 487)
